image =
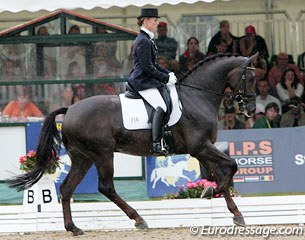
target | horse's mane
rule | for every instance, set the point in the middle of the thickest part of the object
(205, 60)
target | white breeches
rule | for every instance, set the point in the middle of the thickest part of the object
(154, 98)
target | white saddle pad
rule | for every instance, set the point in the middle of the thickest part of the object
(135, 115)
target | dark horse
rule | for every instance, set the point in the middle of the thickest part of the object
(93, 130)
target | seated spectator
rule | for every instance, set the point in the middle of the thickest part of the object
(79, 92)
(294, 117)
(191, 56)
(72, 55)
(259, 112)
(226, 101)
(221, 46)
(163, 62)
(127, 63)
(48, 55)
(276, 72)
(224, 34)
(21, 108)
(261, 68)
(271, 118)
(167, 46)
(252, 43)
(230, 119)
(301, 62)
(74, 29)
(288, 87)
(263, 97)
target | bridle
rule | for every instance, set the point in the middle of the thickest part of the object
(241, 97)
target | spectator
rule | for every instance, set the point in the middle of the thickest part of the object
(221, 46)
(261, 68)
(127, 63)
(271, 118)
(294, 117)
(79, 92)
(48, 55)
(301, 62)
(106, 64)
(226, 101)
(259, 112)
(252, 43)
(191, 56)
(166, 46)
(223, 33)
(22, 108)
(276, 72)
(288, 87)
(72, 55)
(163, 62)
(230, 119)
(263, 97)
(74, 29)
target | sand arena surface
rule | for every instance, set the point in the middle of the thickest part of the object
(157, 234)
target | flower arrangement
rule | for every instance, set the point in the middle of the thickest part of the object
(28, 161)
(192, 189)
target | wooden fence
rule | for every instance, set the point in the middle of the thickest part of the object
(158, 214)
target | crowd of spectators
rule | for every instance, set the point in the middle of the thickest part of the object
(279, 80)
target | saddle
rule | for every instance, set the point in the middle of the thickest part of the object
(166, 95)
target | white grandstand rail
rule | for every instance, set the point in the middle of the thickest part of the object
(158, 214)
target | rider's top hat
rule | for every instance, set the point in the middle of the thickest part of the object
(149, 13)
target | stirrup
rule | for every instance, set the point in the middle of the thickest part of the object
(160, 148)
(164, 147)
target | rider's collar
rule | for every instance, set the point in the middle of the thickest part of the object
(150, 34)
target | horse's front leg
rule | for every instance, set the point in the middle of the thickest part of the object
(216, 173)
(211, 154)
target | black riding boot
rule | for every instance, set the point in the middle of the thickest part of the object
(156, 130)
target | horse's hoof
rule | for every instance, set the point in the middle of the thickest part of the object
(141, 225)
(207, 192)
(239, 221)
(76, 231)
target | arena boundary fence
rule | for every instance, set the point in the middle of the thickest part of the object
(158, 214)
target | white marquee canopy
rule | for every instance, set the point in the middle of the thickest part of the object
(51, 5)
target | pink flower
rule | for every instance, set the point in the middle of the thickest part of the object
(31, 153)
(191, 185)
(22, 159)
(202, 182)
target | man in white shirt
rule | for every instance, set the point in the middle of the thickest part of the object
(264, 97)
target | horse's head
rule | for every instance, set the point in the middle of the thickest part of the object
(242, 82)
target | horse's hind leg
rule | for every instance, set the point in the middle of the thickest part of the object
(217, 174)
(78, 170)
(105, 172)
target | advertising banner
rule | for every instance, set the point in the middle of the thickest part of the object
(269, 160)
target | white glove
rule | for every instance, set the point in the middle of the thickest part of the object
(172, 78)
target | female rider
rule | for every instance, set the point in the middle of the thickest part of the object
(147, 77)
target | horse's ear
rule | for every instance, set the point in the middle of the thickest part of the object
(254, 57)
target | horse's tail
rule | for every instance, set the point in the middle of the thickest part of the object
(48, 148)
